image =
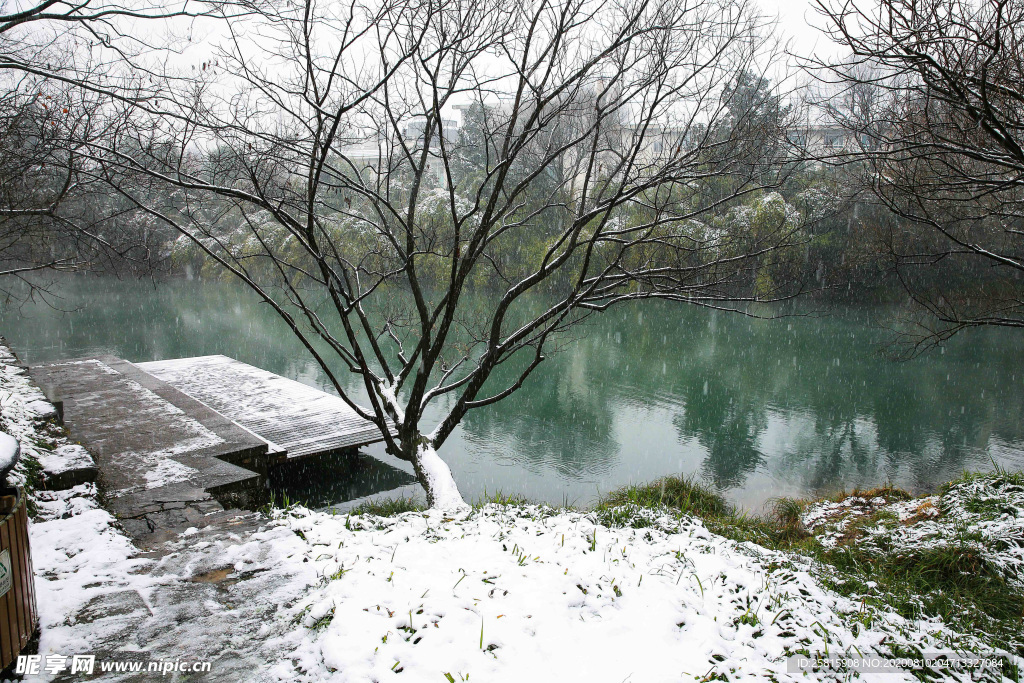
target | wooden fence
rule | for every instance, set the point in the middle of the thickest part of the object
(18, 615)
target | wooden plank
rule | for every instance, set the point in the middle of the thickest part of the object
(18, 576)
(28, 592)
(8, 636)
(301, 419)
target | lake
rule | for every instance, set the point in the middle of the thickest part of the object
(797, 406)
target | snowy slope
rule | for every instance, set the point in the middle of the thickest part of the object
(525, 593)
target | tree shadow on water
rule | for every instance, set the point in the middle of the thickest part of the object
(336, 478)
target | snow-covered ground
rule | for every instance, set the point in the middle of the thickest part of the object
(512, 593)
(79, 556)
(22, 405)
(503, 593)
(983, 512)
(77, 550)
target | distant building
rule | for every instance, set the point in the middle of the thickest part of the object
(821, 141)
(375, 158)
(416, 129)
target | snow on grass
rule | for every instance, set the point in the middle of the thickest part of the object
(513, 593)
(991, 509)
(983, 513)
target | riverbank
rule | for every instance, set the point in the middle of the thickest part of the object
(660, 582)
(955, 556)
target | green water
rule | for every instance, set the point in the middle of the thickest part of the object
(797, 406)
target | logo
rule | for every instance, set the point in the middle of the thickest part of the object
(5, 572)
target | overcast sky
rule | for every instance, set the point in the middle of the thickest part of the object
(799, 22)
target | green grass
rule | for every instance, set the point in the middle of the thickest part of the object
(687, 496)
(954, 583)
(500, 498)
(33, 480)
(388, 507)
(684, 494)
(273, 502)
(381, 507)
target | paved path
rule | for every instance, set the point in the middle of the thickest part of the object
(212, 595)
(165, 460)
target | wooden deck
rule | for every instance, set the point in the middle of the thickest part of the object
(291, 416)
(178, 442)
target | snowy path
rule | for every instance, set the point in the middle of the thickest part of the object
(212, 595)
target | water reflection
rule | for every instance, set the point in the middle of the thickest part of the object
(797, 406)
(559, 423)
(323, 481)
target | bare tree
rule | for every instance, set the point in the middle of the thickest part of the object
(942, 139)
(597, 165)
(56, 60)
(33, 184)
(49, 38)
(54, 214)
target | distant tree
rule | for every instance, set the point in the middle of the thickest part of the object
(943, 140)
(54, 217)
(423, 263)
(58, 61)
(757, 120)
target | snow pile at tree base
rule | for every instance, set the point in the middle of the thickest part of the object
(514, 593)
(442, 486)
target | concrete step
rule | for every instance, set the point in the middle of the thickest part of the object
(156, 449)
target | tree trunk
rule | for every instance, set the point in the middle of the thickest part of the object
(436, 479)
